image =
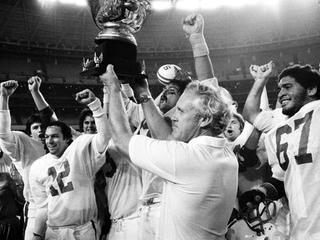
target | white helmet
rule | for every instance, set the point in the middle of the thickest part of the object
(167, 73)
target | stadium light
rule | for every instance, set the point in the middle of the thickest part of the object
(192, 5)
(187, 5)
(239, 3)
(80, 3)
(161, 5)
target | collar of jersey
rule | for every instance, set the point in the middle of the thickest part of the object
(208, 140)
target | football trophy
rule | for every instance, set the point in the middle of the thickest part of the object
(118, 20)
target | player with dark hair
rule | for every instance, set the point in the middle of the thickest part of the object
(292, 145)
(86, 122)
(67, 172)
(34, 126)
(23, 149)
(172, 92)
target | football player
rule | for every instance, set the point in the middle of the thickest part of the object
(292, 145)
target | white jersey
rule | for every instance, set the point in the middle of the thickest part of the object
(65, 184)
(5, 163)
(124, 187)
(269, 119)
(23, 152)
(293, 150)
(200, 184)
(152, 184)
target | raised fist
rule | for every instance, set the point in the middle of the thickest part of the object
(34, 83)
(261, 72)
(85, 97)
(8, 87)
(193, 24)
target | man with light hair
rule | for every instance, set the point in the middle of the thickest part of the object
(198, 169)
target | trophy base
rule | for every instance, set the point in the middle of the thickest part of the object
(121, 54)
(115, 31)
(123, 77)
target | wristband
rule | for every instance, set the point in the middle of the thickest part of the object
(199, 45)
(96, 108)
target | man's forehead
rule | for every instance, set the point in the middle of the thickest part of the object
(89, 118)
(286, 79)
(234, 121)
(53, 129)
(173, 86)
(188, 99)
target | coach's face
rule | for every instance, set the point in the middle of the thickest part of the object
(55, 141)
(186, 121)
(169, 97)
(292, 95)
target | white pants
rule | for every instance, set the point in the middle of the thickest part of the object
(149, 222)
(125, 228)
(28, 234)
(83, 232)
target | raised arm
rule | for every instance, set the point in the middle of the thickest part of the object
(46, 113)
(193, 26)
(158, 125)
(119, 124)
(252, 106)
(6, 90)
(34, 84)
(103, 128)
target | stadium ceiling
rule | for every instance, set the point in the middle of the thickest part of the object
(27, 23)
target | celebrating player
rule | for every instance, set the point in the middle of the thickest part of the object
(292, 146)
(23, 149)
(63, 186)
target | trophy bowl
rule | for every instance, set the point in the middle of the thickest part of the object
(118, 20)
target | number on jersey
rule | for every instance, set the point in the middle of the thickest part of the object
(302, 157)
(63, 188)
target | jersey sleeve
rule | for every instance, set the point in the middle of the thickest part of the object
(84, 151)
(163, 158)
(269, 119)
(264, 121)
(37, 181)
(135, 113)
(24, 150)
(37, 187)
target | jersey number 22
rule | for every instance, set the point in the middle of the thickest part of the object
(63, 188)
